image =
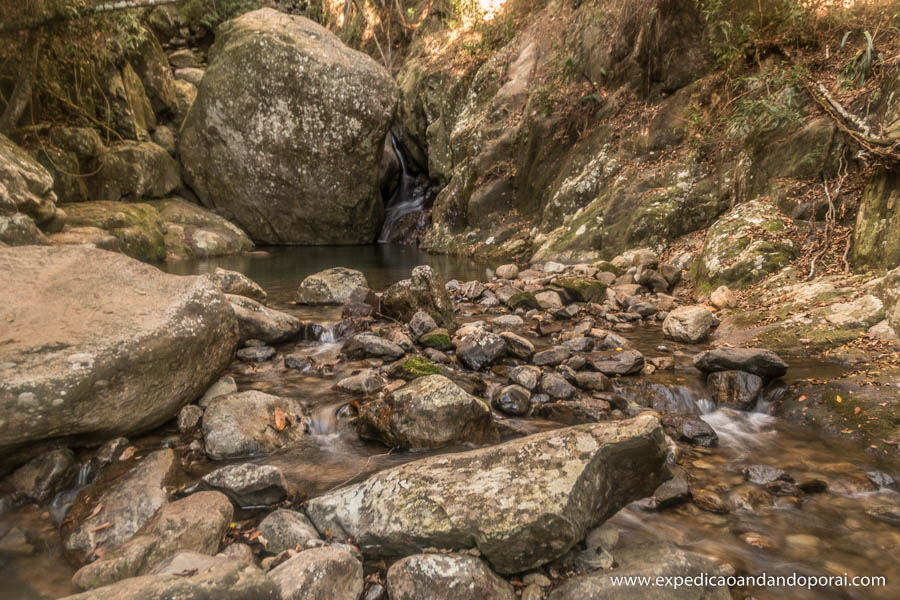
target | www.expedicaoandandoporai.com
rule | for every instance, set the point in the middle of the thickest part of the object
(794, 580)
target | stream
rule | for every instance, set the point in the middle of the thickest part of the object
(826, 533)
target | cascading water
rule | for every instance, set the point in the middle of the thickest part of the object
(411, 196)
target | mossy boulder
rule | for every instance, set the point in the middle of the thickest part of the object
(523, 300)
(439, 339)
(191, 231)
(745, 245)
(582, 290)
(876, 239)
(134, 171)
(415, 367)
(137, 226)
(286, 135)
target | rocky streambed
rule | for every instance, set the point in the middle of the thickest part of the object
(515, 432)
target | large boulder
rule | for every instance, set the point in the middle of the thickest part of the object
(331, 286)
(424, 291)
(428, 412)
(876, 237)
(447, 577)
(286, 134)
(521, 504)
(135, 225)
(195, 523)
(745, 245)
(224, 580)
(100, 345)
(251, 423)
(27, 201)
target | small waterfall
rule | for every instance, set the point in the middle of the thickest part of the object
(411, 195)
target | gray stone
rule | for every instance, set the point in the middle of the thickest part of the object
(577, 477)
(507, 271)
(326, 573)
(517, 346)
(764, 363)
(627, 362)
(256, 354)
(480, 349)
(189, 417)
(238, 284)
(552, 356)
(424, 291)
(367, 345)
(248, 484)
(513, 400)
(525, 376)
(225, 385)
(365, 382)
(593, 382)
(688, 324)
(449, 577)
(259, 322)
(331, 286)
(286, 530)
(691, 429)
(734, 389)
(46, 474)
(555, 385)
(420, 324)
(244, 424)
(428, 412)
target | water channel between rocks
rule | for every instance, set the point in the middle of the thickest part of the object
(827, 533)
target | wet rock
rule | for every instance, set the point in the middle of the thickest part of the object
(734, 389)
(882, 480)
(286, 530)
(413, 368)
(95, 366)
(507, 271)
(593, 382)
(592, 559)
(365, 382)
(420, 324)
(331, 286)
(439, 339)
(644, 309)
(43, 476)
(555, 385)
(626, 362)
(195, 523)
(764, 363)
(672, 492)
(888, 513)
(428, 412)
(507, 322)
(710, 501)
(513, 400)
(225, 580)
(517, 345)
(341, 97)
(688, 324)
(189, 417)
(248, 484)
(577, 478)
(326, 573)
(551, 357)
(763, 474)
(450, 577)
(648, 560)
(424, 291)
(480, 349)
(361, 303)
(525, 376)
(237, 284)
(691, 429)
(722, 297)
(367, 345)
(256, 354)
(246, 424)
(127, 505)
(580, 344)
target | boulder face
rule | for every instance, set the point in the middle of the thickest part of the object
(286, 134)
(331, 286)
(424, 291)
(745, 245)
(247, 424)
(876, 237)
(576, 478)
(83, 366)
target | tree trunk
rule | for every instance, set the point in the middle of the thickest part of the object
(21, 93)
(102, 7)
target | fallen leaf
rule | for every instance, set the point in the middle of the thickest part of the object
(856, 410)
(838, 399)
(281, 420)
(802, 398)
(95, 512)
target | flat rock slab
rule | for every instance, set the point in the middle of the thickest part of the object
(521, 504)
(95, 344)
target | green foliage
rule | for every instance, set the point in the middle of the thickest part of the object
(859, 69)
(769, 101)
(210, 13)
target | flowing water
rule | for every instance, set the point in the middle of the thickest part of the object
(827, 533)
(412, 194)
